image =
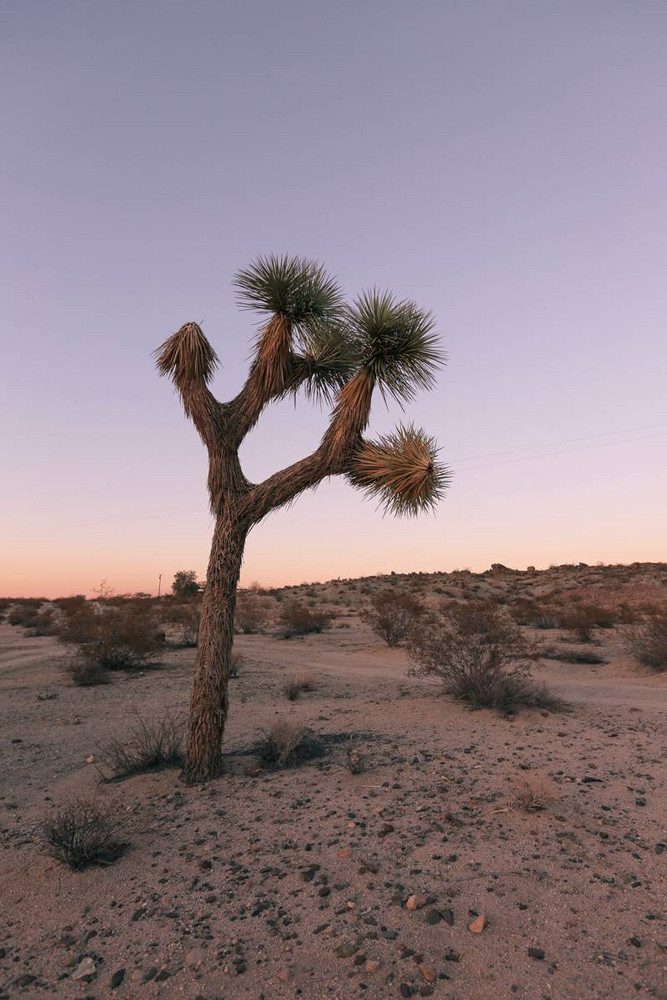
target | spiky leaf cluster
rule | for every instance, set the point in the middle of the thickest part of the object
(186, 356)
(324, 364)
(292, 287)
(394, 343)
(400, 470)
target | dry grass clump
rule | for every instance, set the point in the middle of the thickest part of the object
(85, 673)
(236, 665)
(118, 637)
(648, 640)
(534, 793)
(295, 686)
(149, 746)
(481, 657)
(392, 614)
(297, 619)
(187, 617)
(354, 760)
(82, 833)
(287, 744)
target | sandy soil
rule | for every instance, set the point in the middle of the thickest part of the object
(294, 883)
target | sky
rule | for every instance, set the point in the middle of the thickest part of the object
(501, 162)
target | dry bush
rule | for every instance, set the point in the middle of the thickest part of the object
(534, 793)
(354, 760)
(149, 746)
(572, 655)
(648, 640)
(188, 618)
(84, 673)
(252, 613)
(82, 833)
(26, 614)
(582, 619)
(296, 619)
(43, 623)
(392, 614)
(481, 657)
(71, 603)
(296, 685)
(236, 665)
(287, 744)
(118, 637)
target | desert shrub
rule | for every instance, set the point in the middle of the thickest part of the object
(43, 623)
(534, 793)
(71, 603)
(123, 637)
(480, 657)
(648, 640)
(188, 618)
(572, 655)
(251, 613)
(82, 833)
(25, 614)
(582, 619)
(287, 744)
(296, 685)
(296, 619)
(85, 673)
(236, 665)
(354, 760)
(392, 614)
(149, 746)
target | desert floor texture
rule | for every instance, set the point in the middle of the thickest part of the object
(314, 882)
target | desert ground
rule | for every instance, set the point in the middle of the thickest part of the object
(316, 882)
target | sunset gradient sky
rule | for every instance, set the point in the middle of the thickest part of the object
(503, 163)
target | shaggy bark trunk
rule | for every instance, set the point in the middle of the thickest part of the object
(209, 700)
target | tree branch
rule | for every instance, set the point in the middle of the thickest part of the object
(268, 377)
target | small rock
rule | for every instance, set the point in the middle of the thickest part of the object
(86, 967)
(117, 978)
(415, 902)
(433, 917)
(537, 953)
(405, 990)
(478, 925)
(372, 965)
(90, 759)
(428, 973)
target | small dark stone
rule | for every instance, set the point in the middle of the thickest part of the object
(161, 976)
(433, 917)
(634, 940)
(405, 990)
(536, 953)
(117, 978)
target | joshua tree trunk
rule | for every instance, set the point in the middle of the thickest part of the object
(209, 699)
(340, 354)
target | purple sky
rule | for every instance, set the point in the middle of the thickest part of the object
(501, 162)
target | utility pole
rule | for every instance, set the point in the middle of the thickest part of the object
(159, 583)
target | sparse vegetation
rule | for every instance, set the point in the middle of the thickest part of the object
(252, 613)
(287, 744)
(82, 833)
(296, 619)
(481, 657)
(85, 673)
(392, 614)
(295, 686)
(648, 640)
(117, 637)
(354, 760)
(149, 746)
(534, 793)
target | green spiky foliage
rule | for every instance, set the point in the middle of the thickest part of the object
(401, 471)
(394, 343)
(292, 287)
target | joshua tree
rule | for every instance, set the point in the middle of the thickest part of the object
(337, 354)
